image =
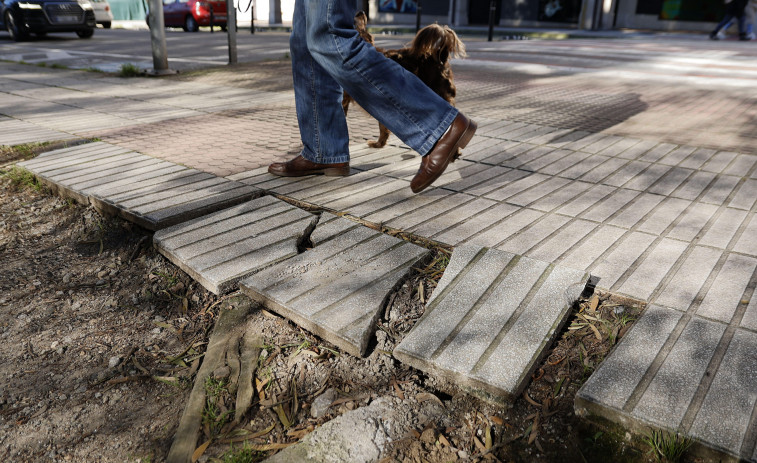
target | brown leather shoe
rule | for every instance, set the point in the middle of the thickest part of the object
(299, 167)
(446, 150)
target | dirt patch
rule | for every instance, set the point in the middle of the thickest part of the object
(102, 338)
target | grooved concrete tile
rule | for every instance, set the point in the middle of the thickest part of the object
(538, 192)
(636, 151)
(219, 249)
(620, 260)
(490, 318)
(727, 290)
(586, 200)
(610, 205)
(650, 273)
(586, 165)
(666, 399)
(664, 215)
(522, 242)
(725, 226)
(749, 320)
(464, 230)
(658, 152)
(583, 256)
(552, 248)
(626, 173)
(746, 196)
(444, 221)
(430, 211)
(647, 178)
(694, 185)
(506, 228)
(565, 163)
(681, 290)
(719, 161)
(636, 211)
(610, 387)
(747, 242)
(604, 170)
(677, 155)
(692, 222)
(742, 164)
(337, 289)
(561, 196)
(670, 181)
(518, 186)
(723, 419)
(619, 147)
(698, 158)
(720, 190)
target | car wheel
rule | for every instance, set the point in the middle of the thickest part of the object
(85, 33)
(16, 30)
(190, 24)
(106, 25)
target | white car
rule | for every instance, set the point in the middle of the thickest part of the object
(103, 14)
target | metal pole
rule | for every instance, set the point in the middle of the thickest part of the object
(158, 37)
(252, 19)
(418, 11)
(231, 30)
(212, 19)
(492, 12)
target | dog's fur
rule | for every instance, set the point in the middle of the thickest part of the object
(427, 56)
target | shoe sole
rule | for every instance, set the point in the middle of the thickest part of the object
(328, 172)
(462, 142)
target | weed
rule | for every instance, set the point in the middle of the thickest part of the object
(58, 66)
(215, 415)
(22, 178)
(129, 70)
(42, 64)
(243, 455)
(667, 447)
(93, 69)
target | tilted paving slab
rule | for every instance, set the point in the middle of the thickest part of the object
(682, 373)
(491, 318)
(338, 288)
(150, 192)
(220, 249)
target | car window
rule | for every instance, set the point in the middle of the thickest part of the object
(168, 2)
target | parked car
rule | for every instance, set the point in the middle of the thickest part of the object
(191, 14)
(23, 17)
(103, 13)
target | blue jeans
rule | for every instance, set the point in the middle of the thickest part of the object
(328, 56)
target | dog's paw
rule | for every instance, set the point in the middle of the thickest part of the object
(376, 144)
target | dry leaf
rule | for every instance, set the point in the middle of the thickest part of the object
(443, 440)
(200, 450)
(496, 420)
(424, 396)
(594, 303)
(397, 389)
(488, 437)
(481, 447)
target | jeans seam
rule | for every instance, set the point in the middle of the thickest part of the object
(379, 89)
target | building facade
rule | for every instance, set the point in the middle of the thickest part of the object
(660, 15)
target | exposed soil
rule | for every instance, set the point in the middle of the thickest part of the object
(102, 338)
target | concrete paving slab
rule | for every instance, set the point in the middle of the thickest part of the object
(490, 319)
(338, 288)
(220, 249)
(727, 412)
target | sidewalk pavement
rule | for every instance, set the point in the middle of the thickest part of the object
(650, 186)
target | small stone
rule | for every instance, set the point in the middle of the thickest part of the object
(114, 361)
(222, 372)
(462, 454)
(618, 310)
(322, 403)
(428, 436)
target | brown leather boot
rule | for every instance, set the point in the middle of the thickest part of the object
(300, 167)
(446, 150)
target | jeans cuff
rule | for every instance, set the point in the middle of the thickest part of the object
(439, 131)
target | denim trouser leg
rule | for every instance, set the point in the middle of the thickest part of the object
(318, 97)
(392, 95)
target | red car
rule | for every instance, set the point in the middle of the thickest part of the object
(191, 14)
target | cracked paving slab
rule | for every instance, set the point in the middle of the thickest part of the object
(338, 288)
(222, 248)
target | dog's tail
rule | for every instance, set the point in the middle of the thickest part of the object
(435, 39)
(361, 26)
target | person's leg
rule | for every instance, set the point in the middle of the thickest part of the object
(318, 97)
(392, 95)
(724, 24)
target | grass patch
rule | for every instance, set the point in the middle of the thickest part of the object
(244, 455)
(129, 70)
(665, 446)
(22, 179)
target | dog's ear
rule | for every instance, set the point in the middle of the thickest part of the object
(361, 26)
(453, 44)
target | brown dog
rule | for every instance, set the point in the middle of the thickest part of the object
(427, 56)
